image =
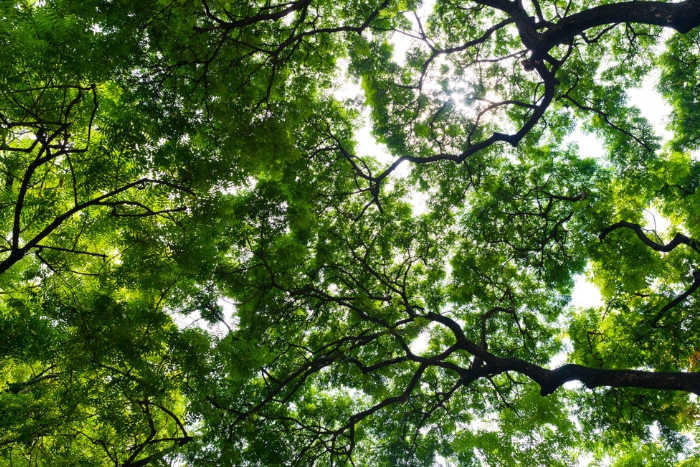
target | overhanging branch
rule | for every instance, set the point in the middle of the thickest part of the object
(551, 380)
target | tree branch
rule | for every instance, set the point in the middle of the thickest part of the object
(678, 239)
(551, 380)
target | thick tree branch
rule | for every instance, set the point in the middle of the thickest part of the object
(682, 17)
(678, 239)
(250, 20)
(551, 380)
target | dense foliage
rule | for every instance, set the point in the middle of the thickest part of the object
(169, 161)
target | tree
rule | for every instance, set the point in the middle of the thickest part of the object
(159, 156)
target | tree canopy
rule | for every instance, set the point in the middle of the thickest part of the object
(162, 159)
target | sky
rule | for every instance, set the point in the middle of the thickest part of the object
(655, 109)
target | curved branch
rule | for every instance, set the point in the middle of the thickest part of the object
(682, 17)
(551, 380)
(677, 240)
(676, 301)
(295, 6)
(513, 139)
(17, 253)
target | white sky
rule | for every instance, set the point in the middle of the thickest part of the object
(655, 109)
